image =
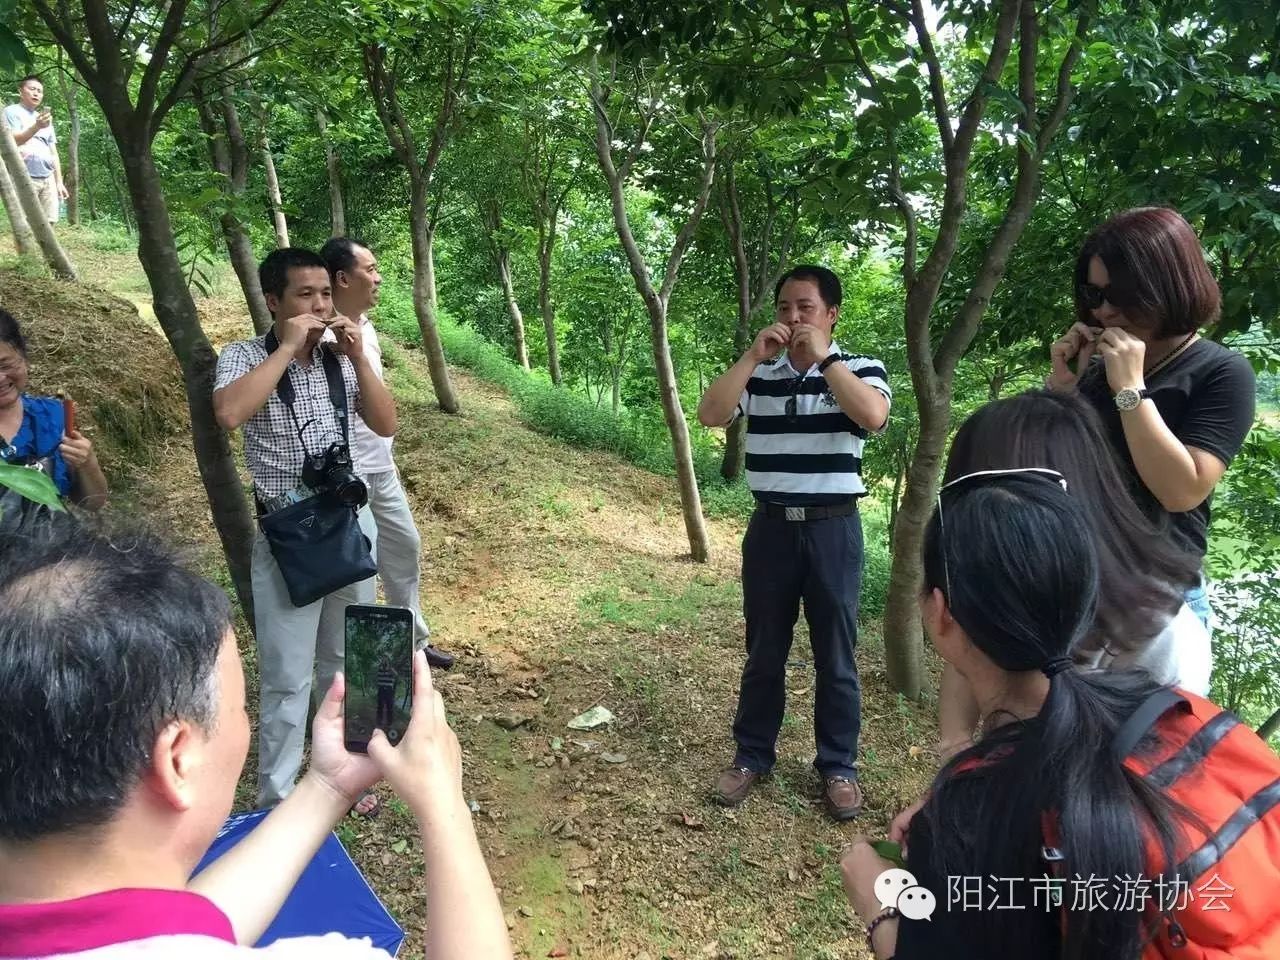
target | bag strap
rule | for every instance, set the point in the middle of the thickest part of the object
(332, 374)
(1143, 719)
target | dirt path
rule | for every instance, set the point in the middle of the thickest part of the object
(561, 579)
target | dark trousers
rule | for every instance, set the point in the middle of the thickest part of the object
(784, 562)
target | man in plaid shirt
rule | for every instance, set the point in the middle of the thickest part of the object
(295, 642)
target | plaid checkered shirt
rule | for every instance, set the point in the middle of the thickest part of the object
(272, 447)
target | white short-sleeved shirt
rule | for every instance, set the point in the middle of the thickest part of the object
(1181, 654)
(38, 152)
(812, 456)
(372, 453)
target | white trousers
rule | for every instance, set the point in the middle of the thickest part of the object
(399, 548)
(294, 643)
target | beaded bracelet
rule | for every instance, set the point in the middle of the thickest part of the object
(888, 913)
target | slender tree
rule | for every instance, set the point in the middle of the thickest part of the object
(337, 206)
(24, 240)
(37, 220)
(645, 103)
(182, 39)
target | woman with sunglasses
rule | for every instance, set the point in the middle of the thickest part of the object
(1061, 785)
(1141, 619)
(1176, 406)
(34, 432)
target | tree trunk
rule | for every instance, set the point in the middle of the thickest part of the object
(89, 196)
(122, 201)
(176, 312)
(273, 193)
(24, 240)
(548, 312)
(71, 176)
(1270, 726)
(245, 264)
(735, 437)
(902, 611)
(678, 427)
(429, 269)
(513, 307)
(337, 209)
(615, 395)
(424, 305)
(54, 255)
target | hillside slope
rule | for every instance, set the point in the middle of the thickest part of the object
(559, 577)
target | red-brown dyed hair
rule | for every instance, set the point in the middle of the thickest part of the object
(1157, 265)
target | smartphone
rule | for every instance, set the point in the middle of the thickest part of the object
(378, 650)
(68, 414)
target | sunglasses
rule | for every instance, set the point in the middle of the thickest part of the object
(1094, 296)
(791, 400)
(1045, 472)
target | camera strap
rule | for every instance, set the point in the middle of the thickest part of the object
(332, 374)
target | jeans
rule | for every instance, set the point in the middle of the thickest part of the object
(1198, 600)
(786, 562)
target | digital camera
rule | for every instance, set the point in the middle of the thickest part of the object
(331, 472)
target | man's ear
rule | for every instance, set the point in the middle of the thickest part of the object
(340, 279)
(273, 302)
(176, 758)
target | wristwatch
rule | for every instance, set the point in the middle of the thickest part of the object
(1130, 397)
(828, 361)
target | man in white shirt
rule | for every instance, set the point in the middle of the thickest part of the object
(122, 702)
(32, 130)
(353, 271)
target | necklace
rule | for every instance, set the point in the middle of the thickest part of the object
(1169, 357)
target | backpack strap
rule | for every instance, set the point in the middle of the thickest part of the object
(1143, 719)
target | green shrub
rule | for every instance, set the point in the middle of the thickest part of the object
(559, 412)
(875, 570)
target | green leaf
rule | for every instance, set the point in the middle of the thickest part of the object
(890, 851)
(400, 846)
(14, 54)
(31, 484)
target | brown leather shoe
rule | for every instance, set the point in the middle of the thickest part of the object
(734, 785)
(843, 797)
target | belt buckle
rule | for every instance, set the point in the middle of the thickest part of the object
(794, 513)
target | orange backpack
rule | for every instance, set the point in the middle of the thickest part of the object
(1218, 768)
(1225, 902)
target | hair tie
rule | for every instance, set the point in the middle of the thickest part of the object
(1056, 665)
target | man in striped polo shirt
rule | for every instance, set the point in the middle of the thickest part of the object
(808, 413)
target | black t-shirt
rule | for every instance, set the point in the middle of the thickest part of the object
(1206, 397)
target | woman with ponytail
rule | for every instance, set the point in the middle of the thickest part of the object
(1005, 612)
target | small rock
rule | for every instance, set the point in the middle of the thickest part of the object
(510, 721)
(577, 887)
(591, 719)
(563, 761)
(613, 757)
(474, 806)
(525, 912)
(557, 744)
(511, 921)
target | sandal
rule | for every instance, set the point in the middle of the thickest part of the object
(372, 812)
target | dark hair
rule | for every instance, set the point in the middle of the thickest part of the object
(828, 283)
(1155, 261)
(102, 643)
(28, 78)
(273, 272)
(339, 254)
(1143, 573)
(11, 333)
(1024, 605)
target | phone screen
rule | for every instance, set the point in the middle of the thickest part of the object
(379, 671)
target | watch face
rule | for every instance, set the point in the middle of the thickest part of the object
(1127, 399)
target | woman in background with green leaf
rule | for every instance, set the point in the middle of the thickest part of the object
(33, 434)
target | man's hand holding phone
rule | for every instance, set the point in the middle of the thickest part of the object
(425, 768)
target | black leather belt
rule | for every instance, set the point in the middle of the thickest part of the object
(777, 511)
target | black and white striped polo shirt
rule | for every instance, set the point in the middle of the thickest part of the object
(815, 458)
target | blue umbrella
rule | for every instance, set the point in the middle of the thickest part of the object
(331, 896)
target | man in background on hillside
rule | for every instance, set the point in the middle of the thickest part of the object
(353, 271)
(808, 412)
(293, 641)
(32, 129)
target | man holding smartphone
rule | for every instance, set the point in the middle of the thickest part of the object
(353, 272)
(32, 129)
(279, 437)
(137, 715)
